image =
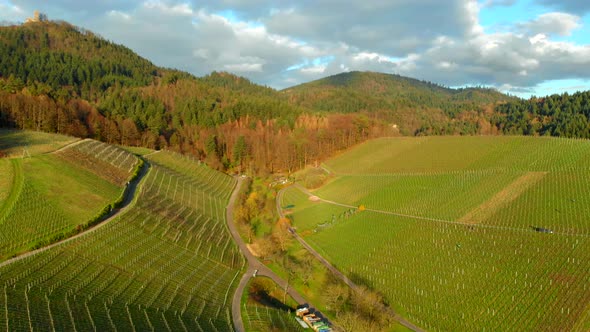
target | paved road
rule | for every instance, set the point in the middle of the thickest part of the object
(253, 264)
(327, 264)
(130, 192)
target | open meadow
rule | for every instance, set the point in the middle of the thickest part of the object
(460, 233)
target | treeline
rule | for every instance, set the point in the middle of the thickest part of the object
(557, 115)
(153, 118)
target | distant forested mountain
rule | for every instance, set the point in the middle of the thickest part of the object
(417, 107)
(56, 77)
(370, 91)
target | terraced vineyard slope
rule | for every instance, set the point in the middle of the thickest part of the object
(167, 263)
(46, 196)
(461, 233)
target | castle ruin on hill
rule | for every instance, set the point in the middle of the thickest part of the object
(37, 17)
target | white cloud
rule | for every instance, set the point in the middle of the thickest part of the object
(288, 42)
(243, 67)
(119, 15)
(497, 3)
(561, 24)
(182, 9)
(314, 70)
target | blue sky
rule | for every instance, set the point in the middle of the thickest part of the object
(522, 47)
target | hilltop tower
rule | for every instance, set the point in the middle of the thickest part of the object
(37, 17)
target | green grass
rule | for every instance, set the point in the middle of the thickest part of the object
(168, 263)
(447, 234)
(206, 178)
(49, 194)
(424, 195)
(49, 197)
(445, 154)
(445, 276)
(6, 180)
(263, 319)
(13, 142)
(258, 317)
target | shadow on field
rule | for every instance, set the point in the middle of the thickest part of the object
(10, 139)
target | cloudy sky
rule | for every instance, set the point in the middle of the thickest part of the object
(523, 47)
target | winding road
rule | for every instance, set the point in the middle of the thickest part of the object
(253, 265)
(327, 264)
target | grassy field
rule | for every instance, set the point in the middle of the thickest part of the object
(168, 263)
(14, 142)
(446, 232)
(450, 153)
(6, 180)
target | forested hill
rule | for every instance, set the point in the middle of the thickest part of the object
(68, 60)
(557, 115)
(56, 77)
(438, 110)
(370, 91)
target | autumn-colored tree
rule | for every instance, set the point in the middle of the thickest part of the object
(281, 235)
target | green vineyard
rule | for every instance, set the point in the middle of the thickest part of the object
(262, 319)
(461, 233)
(44, 196)
(166, 263)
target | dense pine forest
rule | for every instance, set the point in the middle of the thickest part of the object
(56, 77)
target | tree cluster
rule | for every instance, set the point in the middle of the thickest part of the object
(557, 115)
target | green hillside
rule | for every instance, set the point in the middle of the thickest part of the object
(49, 196)
(460, 233)
(166, 263)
